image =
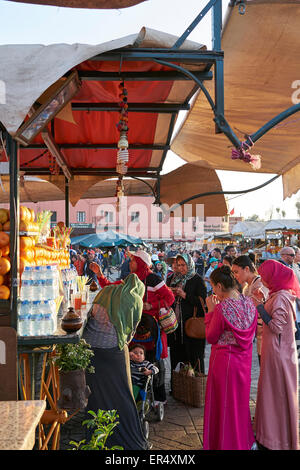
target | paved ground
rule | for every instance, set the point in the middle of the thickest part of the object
(182, 426)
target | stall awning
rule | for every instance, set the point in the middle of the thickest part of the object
(260, 75)
(87, 134)
(84, 3)
(199, 181)
(85, 131)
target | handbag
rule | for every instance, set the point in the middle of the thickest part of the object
(167, 319)
(194, 327)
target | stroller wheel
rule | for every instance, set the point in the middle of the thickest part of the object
(160, 411)
(145, 428)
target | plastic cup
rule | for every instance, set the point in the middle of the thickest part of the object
(77, 301)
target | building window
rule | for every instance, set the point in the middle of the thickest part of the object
(159, 217)
(54, 217)
(135, 216)
(81, 216)
(107, 216)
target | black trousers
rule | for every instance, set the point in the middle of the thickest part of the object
(185, 349)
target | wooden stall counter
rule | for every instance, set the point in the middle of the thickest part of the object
(19, 420)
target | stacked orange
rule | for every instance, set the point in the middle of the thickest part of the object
(4, 257)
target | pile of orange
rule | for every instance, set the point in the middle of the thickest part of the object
(4, 264)
(31, 254)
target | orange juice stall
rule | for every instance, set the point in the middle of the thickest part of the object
(104, 112)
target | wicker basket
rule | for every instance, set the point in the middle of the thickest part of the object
(189, 389)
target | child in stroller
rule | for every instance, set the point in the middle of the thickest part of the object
(140, 368)
(147, 337)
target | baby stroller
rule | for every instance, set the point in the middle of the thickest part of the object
(148, 334)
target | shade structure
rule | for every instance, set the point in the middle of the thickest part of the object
(188, 181)
(34, 189)
(260, 81)
(87, 138)
(85, 131)
(84, 3)
(197, 180)
(110, 238)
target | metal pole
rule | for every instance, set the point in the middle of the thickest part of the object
(219, 64)
(13, 152)
(67, 203)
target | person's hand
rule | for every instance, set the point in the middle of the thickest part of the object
(147, 306)
(95, 268)
(258, 297)
(211, 302)
(180, 292)
(147, 372)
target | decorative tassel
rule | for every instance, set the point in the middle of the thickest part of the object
(243, 154)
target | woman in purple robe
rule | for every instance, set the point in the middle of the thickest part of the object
(230, 328)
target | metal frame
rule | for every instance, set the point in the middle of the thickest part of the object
(170, 58)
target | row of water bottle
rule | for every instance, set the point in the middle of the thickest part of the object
(40, 283)
(37, 318)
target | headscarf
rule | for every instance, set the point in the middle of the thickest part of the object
(143, 270)
(124, 305)
(183, 278)
(279, 277)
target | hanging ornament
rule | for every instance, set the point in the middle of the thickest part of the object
(53, 165)
(122, 153)
(119, 191)
(122, 126)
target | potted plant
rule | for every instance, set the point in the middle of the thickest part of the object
(103, 424)
(72, 360)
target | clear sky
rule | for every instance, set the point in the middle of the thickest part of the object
(32, 24)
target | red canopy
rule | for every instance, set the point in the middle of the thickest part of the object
(87, 136)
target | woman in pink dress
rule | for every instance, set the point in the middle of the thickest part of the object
(276, 416)
(230, 328)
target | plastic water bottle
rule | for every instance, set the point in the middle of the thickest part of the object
(51, 286)
(49, 324)
(52, 309)
(36, 318)
(24, 325)
(26, 292)
(37, 293)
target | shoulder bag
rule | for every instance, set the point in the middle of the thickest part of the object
(167, 319)
(194, 327)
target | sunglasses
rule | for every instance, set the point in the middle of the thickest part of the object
(290, 254)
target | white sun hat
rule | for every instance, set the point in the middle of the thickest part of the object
(143, 255)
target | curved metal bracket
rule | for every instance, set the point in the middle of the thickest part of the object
(148, 184)
(219, 118)
(273, 122)
(213, 193)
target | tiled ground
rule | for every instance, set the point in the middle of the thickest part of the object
(181, 428)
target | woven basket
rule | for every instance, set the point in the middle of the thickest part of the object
(188, 389)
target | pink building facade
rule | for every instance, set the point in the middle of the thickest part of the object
(138, 216)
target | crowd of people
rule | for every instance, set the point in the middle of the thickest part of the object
(241, 300)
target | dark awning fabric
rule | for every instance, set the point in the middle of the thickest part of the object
(96, 4)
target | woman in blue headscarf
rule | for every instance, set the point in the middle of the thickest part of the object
(190, 291)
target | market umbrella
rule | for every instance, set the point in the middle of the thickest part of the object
(105, 239)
